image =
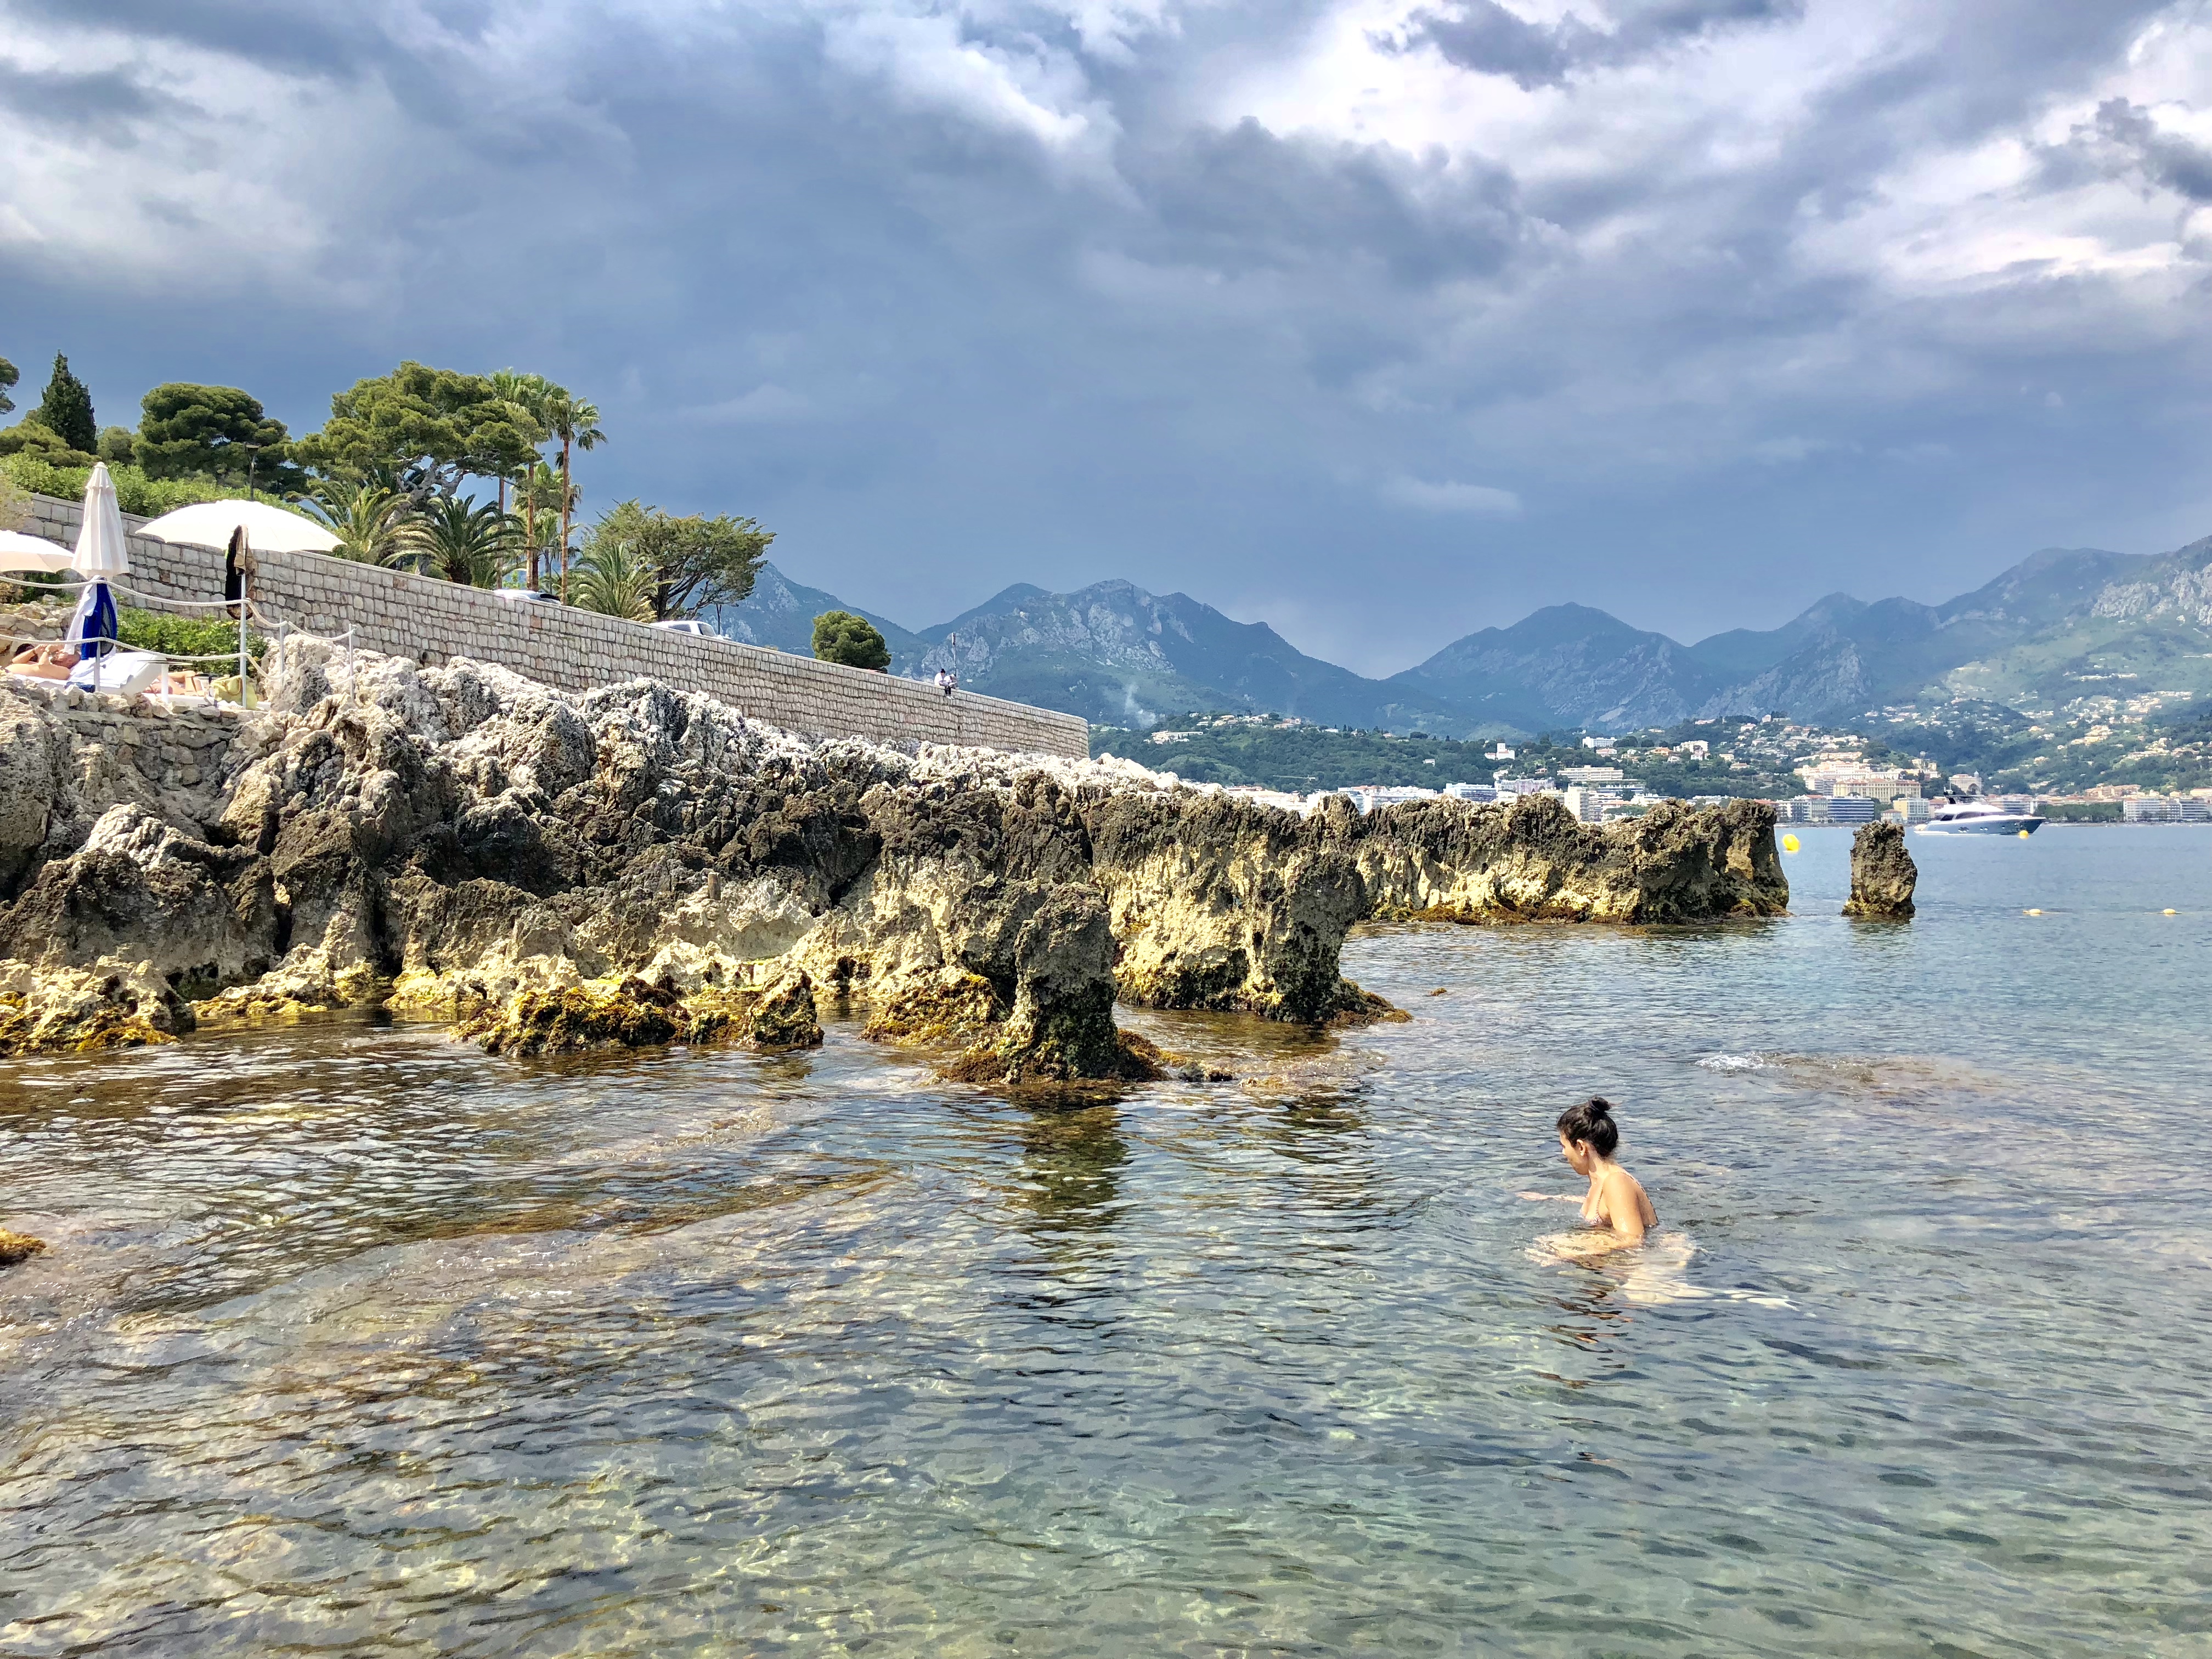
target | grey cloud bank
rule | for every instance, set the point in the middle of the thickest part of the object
(1379, 324)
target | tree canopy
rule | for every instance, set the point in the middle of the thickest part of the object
(8, 375)
(840, 636)
(425, 428)
(209, 431)
(697, 563)
(66, 410)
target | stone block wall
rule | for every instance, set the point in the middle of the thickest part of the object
(168, 570)
(400, 614)
(168, 758)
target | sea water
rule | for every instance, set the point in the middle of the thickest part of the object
(352, 1339)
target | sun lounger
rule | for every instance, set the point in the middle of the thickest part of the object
(124, 671)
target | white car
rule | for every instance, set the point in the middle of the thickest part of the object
(696, 629)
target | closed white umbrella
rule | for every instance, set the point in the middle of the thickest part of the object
(268, 528)
(101, 548)
(20, 552)
(101, 553)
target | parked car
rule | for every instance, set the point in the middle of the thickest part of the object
(524, 593)
(696, 629)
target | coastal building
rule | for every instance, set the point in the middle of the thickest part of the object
(1911, 809)
(2165, 808)
(1514, 788)
(1852, 809)
(1587, 805)
(1474, 791)
(1590, 775)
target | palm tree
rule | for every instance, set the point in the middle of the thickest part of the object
(455, 538)
(531, 397)
(368, 518)
(613, 581)
(574, 422)
(538, 497)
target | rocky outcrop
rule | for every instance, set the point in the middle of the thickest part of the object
(18, 1247)
(1532, 861)
(550, 872)
(1883, 874)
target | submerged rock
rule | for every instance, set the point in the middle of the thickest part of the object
(18, 1247)
(630, 1014)
(635, 864)
(1883, 874)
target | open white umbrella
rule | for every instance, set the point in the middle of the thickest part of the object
(269, 529)
(20, 552)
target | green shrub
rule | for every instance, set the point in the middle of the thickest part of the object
(840, 636)
(186, 636)
(134, 493)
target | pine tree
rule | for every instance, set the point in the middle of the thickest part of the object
(66, 410)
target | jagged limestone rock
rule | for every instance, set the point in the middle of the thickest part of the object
(1532, 861)
(1061, 1028)
(465, 844)
(1223, 905)
(1883, 874)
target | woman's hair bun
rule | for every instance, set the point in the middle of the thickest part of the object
(1592, 1124)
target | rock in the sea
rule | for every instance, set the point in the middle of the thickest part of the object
(1061, 1029)
(18, 1247)
(637, 865)
(1532, 861)
(1883, 874)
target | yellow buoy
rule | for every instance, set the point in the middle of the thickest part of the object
(1790, 843)
(2023, 835)
(2031, 913)
(2169, 913)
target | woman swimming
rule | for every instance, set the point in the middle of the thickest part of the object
(1616, 1200)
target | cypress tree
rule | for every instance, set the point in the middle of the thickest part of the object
(66, 410)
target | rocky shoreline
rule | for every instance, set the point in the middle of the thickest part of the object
(546, 870)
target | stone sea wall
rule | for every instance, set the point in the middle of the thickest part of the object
(432, 623)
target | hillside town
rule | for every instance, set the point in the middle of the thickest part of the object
(1897, 769)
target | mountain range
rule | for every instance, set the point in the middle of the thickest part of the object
(2058, 625)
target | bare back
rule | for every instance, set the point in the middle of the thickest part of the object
(1617, 1199)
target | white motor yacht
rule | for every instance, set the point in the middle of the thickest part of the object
(1978, 817)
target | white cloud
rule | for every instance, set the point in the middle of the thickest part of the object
(766, 404)
(1450, 497)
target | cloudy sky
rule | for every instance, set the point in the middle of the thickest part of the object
(1380, 320)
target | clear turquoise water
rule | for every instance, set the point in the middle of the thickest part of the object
(352, 1340)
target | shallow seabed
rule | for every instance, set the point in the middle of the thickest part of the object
(353, 1341)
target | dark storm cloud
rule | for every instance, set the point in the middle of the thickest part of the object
(953, 304)
(96, 99)
(1246, 197)
(330, 38)
(2129, 137)
(1484, 36)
